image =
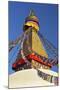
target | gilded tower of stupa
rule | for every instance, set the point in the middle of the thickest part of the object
(32, 50)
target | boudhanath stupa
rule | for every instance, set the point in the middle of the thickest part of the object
(32, 66)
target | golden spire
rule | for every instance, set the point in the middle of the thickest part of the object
(31, 21)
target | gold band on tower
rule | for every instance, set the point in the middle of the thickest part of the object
(31, 21)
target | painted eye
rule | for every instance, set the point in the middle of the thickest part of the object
(26, 27)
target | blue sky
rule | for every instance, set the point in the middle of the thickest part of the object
(48, 20)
